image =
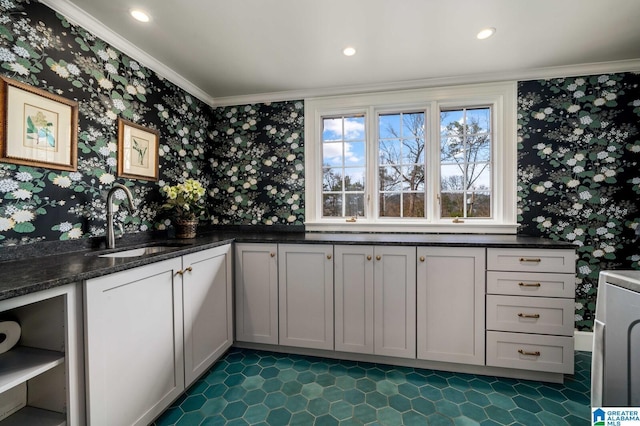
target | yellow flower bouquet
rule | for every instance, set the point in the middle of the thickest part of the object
(185, 199)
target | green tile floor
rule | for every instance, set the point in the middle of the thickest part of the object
(248, 387)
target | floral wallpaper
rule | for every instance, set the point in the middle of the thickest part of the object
(257, 164)
(579, 173)
(578, 161)
(40, 48)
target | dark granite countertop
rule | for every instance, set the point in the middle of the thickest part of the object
(46, 265)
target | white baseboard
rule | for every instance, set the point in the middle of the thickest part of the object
(583, 340)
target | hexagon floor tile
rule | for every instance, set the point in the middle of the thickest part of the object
(248, 387)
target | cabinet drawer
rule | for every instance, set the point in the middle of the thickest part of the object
(531, 284)
(552, 354)
(530, 314)
(531, 260)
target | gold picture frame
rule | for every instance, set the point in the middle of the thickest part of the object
(39, 128)
(137, 151)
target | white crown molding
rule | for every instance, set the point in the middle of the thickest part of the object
(79, 17)
(632, 65)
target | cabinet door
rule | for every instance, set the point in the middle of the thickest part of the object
(134, 350)
(208, 316)
(451, 304)
(305, 284)
(354, 299)
(257, 293)
(395, 301)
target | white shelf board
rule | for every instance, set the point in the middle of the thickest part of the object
(35, 417)
(22, 363)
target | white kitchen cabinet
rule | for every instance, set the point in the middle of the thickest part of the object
(530, 309)
(151, 330)
(451, 308)
(354, 298)
(134, 343)
(305, 294)
(207, 295)
(375, 300)
(256, 293)
(41, 377)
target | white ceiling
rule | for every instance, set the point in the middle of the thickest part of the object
(230, 49)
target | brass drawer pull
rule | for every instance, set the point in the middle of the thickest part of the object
(378, 257)
(531, 259)
(272, 254)
(369, 257)
(329, 256)
(187, 269)
(521, 315)
(421, 258)
(523, 352)
(529, 284)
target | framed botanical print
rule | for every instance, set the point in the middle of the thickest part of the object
(137, 151)
(39, 128)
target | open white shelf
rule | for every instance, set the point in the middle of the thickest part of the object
(23, 363)
(35, 417)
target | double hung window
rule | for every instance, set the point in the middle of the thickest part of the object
(432, 160)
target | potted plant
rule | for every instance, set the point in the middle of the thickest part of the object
(186, 201)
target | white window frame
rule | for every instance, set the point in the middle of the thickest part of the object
(502, 99)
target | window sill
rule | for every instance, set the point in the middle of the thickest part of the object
(422, 228)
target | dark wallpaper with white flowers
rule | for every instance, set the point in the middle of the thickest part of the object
(579, 150)
(579, 172)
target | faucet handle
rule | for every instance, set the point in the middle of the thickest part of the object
(121, 228)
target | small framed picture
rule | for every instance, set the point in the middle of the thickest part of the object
(137, 151)
(39, 128)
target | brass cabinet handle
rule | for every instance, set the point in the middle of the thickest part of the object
(272, 254)
(181, 271)
(351, 219)
(531, 259)
(529, 284)
(329, 256)
(369, 257)
(378, 257)
(523, 352)
(421, 258)
(521, 315)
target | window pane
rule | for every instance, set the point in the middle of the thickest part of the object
(480, 177)
(332, 180)
(354, 179)
(332, 129)
(354, 205)
(354, 128)
(413, 125)
(412, 151)
(332, 154)
(389, 126)
(390, 179)
(332, 205)
(451, 178)
(479, 148)
(389, 204)
(451, 204)
(412, 178)
(389, 152)
(451, 122)
(479, 204)
(451, 149)
(355, 153)
(413, 205)
(479, 120)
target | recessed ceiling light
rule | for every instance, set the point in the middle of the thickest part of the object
(349, 51)
(139, 15)
(486, 33)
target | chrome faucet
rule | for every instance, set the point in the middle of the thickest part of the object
(111, 239)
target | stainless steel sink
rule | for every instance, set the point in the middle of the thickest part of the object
(140, 251)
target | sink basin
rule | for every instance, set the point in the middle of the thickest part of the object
(141, 251)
